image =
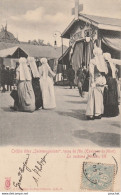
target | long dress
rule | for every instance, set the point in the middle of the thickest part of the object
(24, 88)
(37, 92)
(47, 88)
(26, 96)
(95, 105)
(111, 95)
(35, 82)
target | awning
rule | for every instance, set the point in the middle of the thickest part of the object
(64, 59)
(112, 42)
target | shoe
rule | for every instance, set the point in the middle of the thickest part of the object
(90, 117)
(98, 117)
(13, 108)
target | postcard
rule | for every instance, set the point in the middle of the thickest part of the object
(60, 96)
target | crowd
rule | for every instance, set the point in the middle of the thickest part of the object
(7, 78)
(104, 93)
(82, 78)
(35, 88)
(100, 80)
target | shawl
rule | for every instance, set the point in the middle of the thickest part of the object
(107, 56)
(33, 67)
(99, 60)
(24, 73)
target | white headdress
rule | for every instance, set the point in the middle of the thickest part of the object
(43, 60)
(99, 60)
(107, 57)
(24, 70)
(33, 67)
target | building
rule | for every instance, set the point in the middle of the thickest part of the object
(6, 36)
(11, 49)
(84, 31)
(10, 52)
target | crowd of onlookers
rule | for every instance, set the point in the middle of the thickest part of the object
(82, 78)
(7, 78)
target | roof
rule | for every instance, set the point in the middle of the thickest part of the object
(35, 50)
(114, 23)
(100, 22)
(65, 53)
(9, 51)
(64, 59)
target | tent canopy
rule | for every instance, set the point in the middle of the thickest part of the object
(112, 42)
(36, 51)
(14, 52)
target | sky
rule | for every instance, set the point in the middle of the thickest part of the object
(40, 19)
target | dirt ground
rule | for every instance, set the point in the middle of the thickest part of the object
(64, 126)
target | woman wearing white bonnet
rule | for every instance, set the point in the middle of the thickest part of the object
(111, 93)
(46, 84)
(97, 70)
(24, 87)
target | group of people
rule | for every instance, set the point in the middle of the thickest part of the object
(7, 77)
(103, 97)
(35, 88)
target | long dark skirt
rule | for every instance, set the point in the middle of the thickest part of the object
(85, 86)
(111, 98)
(37, 92)
(14, 95)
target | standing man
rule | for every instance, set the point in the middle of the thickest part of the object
(3, 78)
(12, 76)
(71, 76)
(80, 80)
(7, 77)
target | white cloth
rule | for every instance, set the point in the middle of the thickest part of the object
(33, 67)
(95, 80)
(112, 63)
(95, 105)
(47, 88)
(22, 71)
(26, 96)
(99, 61)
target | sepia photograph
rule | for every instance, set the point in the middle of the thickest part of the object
(60, 96)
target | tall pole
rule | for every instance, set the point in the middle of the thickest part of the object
(55, 35)
(62, 58)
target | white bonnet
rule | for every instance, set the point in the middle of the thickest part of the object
(43, 60)
(22, 60)
(30, 59)
(107, 56)
(97, 51)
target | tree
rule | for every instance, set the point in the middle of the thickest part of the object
(29, 41)
(40, 42)
(34, 42)
(48, 44)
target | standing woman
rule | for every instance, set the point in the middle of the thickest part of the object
(35, 82)
(24, 87)
(97, 70)
(46, 84)
(111, 108)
